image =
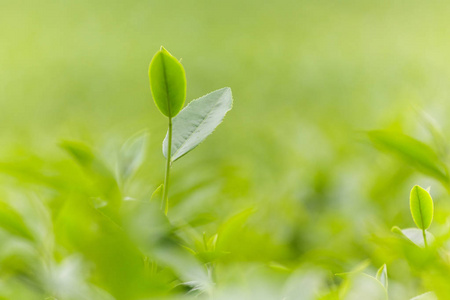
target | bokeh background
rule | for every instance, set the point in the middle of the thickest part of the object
(291, 168)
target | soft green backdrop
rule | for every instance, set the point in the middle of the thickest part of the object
(308, 78)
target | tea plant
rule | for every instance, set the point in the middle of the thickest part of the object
(187, 128)
(422, 208)
(421, 205)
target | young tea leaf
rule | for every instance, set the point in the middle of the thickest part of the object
(167, 83)
(421, 206)
(414, 152)
(382, 276)
(198, 120)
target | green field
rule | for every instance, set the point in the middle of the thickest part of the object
(286, 195)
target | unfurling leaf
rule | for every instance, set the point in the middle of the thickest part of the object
(167, 83)
(198, 120)
(421, 206)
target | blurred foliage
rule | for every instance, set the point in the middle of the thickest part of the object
(287, 193)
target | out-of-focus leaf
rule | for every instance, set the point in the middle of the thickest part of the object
(415, 235)
(157, 194)
(382, 276)
(357, 269)
(103, 180)
(167, 83)
(426, 296)
(119, 267)
(196, 121)
(212, 241)
(201, 219)
(231, 228)
(421, 206)
(439, 140)
(12, 222)
(132, 155)
(363, 286)
(210, 256)
(414, 152)
(303, 284)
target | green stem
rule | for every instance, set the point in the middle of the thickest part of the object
(424, 238)
(166, 177)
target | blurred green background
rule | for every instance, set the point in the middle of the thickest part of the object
(312, 195)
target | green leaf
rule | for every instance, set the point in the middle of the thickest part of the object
(157, 194)
(198, 120)
(232, 228)
(104, 182)
(414, 152)
(382, 276)
(421, 206)
(167, 83)
(12, 222)
(414, 235)
(210, 256)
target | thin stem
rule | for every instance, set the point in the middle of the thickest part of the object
(166, 177)
(424, 238)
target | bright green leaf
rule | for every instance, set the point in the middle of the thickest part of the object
(414, 152)
(198, 120)
(167, 83)
(421, 206)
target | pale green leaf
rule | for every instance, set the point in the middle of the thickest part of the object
(426, 296)
(421, 206)
(167, 83)
(132, 155)
(414, 152)
(382, 276)
(196, 121)
(363, 286)
(415, 235)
